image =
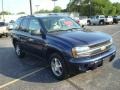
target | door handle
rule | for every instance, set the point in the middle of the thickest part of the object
(30, 39)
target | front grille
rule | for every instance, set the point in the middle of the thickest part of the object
(100, 44)
(100, 48)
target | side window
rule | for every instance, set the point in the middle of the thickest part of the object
(97, 17)
(2, 24)
(17, 23)
(102, 17)
(34, 26)
(24, 25)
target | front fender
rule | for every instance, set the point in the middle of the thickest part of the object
(60, 48)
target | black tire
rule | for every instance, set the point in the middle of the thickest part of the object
(101, 22)
(63, 69)
(19, 52)
(88, 22)
(0, 36)
(116, 22)
(6, 35)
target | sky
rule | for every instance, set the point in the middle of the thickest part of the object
(15, 6)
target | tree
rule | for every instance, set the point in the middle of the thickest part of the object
(57, 9)
(74, 5)
(5, 13)
(101, 7)
(20, 13)
(117, 6)
(95, 6)
(42, 11)
(64, 10)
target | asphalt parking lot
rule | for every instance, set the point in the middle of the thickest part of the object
(32, 73)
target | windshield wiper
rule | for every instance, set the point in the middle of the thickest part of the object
(56, 30)
(73, 29)
(63, 30)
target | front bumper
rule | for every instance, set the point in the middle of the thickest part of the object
(84, 64)
(108, 21)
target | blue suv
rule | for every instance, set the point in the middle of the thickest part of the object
(63, 43)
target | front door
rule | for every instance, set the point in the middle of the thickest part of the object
(35, 41)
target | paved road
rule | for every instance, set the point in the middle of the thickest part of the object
(33, 74)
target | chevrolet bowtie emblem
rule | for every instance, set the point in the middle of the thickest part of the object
(103, 48)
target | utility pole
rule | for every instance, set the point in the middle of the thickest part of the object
(30, 7)
(3, 11)
(90, 8)
(54, 2)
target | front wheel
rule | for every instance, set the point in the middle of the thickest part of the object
(0, 36)
(58, 67)
(19, 51)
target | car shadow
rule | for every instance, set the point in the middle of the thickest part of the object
(116, 63)
(13, 67)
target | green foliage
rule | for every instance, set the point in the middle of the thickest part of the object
(101, 7)
(117, 6)
(57, 9)
(5, 13)
(98, 7)
(42, 11)
(20, 13)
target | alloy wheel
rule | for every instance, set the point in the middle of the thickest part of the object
(56, 67)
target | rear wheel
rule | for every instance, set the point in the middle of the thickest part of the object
(116, 22)
(6, 34)
(88, 22)
(101, 22)
(58, 66)
(19, 51)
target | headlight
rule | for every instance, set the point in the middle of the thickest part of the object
(80, 51)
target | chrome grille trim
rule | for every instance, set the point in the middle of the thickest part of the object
(100, 44)
(97, 50)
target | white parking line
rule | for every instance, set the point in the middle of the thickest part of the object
(25, 76)
(115, 33)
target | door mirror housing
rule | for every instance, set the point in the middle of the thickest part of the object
(43, 32)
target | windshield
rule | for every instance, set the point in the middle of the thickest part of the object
(59, 24)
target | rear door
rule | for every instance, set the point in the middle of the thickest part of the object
(97, 20)
(93, 20)
(23, 33)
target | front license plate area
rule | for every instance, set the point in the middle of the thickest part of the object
(106, 60)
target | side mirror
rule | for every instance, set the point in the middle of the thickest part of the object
(10, 26)
(35, 32)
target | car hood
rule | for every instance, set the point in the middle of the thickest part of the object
(78, 38)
